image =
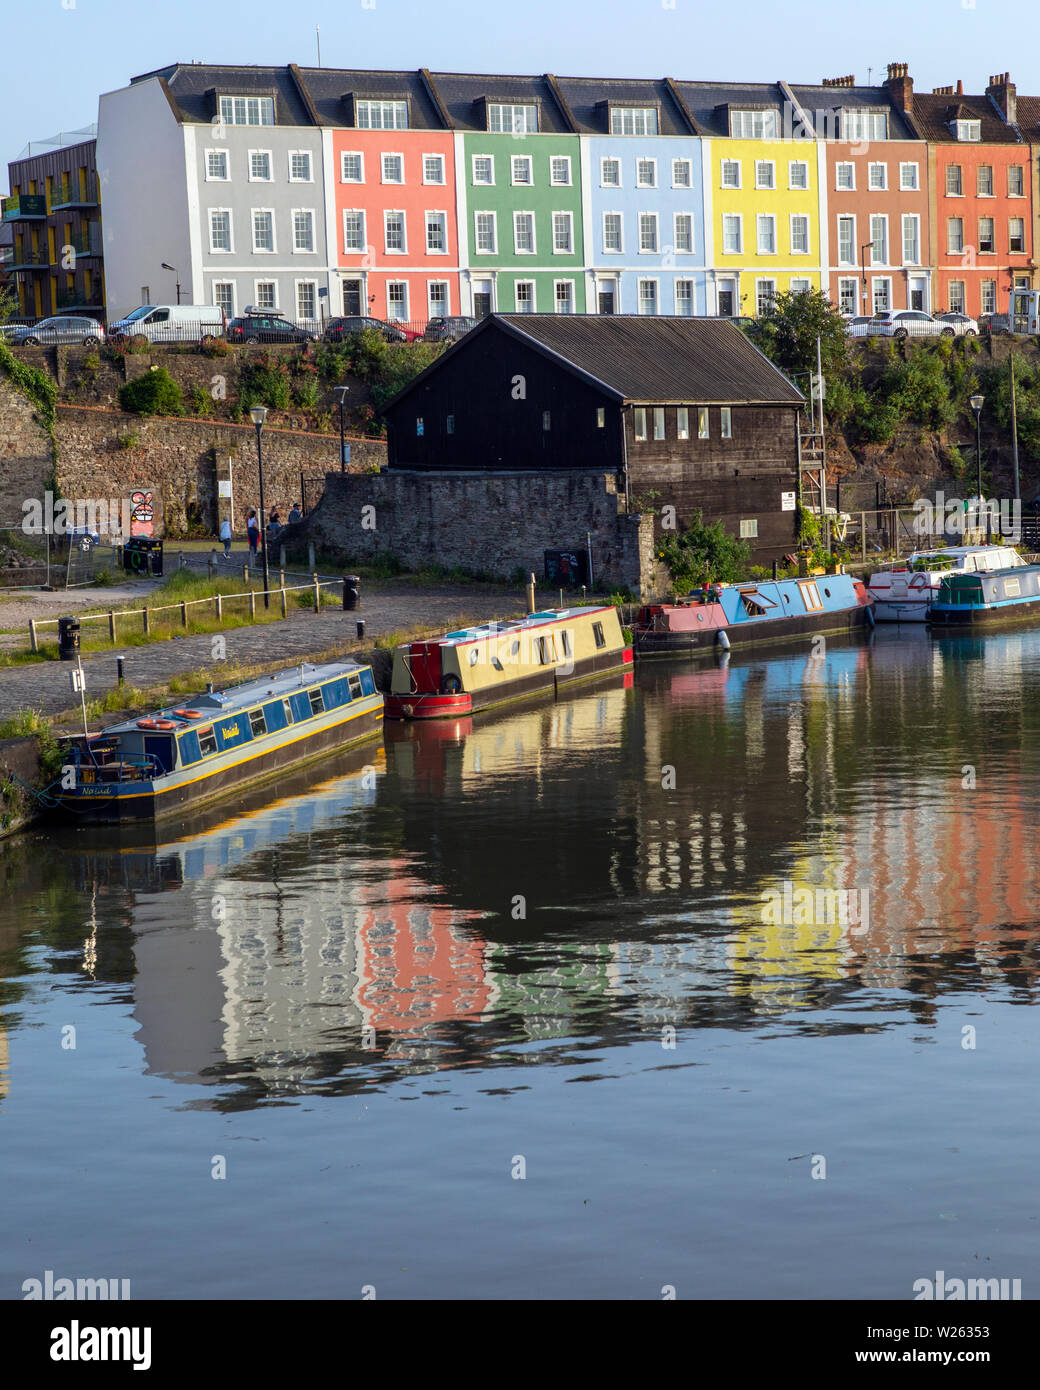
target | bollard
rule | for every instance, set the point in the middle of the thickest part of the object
(360, 628)
(284, 609)
(317, 594)
(351, 592)
(144, 620)
(34, 646)
(561, 598)
(219, 607)
(245, 573)
(252, 605)
(281, 573)
(530, 593)
(120, 674)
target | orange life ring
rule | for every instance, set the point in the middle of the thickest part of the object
(188, 713)
(165, 724)
(146, 724)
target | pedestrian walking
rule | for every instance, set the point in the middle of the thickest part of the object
(253, 532)
(225, 536)
(274, 525)
(295, 514)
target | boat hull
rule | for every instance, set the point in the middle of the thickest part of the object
(755, 633)
(429, 705)
(196, 787)
(960, 617)
(900, 611)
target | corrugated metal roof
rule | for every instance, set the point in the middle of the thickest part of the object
(646, 358)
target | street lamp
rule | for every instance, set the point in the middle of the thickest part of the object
(258, 414)
(164, 266)
(867, 246)
(976, 403)
(340, 392)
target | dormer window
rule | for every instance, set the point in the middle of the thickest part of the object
(247, 110)
(864, 125)
(633, 120)
(753, 125)
(381, 115)
(515, 120)
(967, 130)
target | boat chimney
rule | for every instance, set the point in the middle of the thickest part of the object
(209, 687)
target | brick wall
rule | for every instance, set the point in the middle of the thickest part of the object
(492, 524)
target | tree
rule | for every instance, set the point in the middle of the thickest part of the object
(704, 553)
(788, 328)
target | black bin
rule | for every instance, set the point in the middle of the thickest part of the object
(351, 592)
(143, 555)
(68, 638)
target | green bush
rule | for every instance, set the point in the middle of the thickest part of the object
(201, 400)
(703, 553)
(265, 379)
(305, 392)
(154, 393)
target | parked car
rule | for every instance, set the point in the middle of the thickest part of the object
(908, 323)
(8, 327)
(994, 323)
(962, 325)
(61, 329)
(448, 330)
(266, 328)
(857, 326)
(170, 323)
(343, 327)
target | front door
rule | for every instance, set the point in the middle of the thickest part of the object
(727, 299)
(605, 297)
(351, 297)
(481, 298)
(917, 300)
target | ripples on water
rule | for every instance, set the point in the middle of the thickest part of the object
(489, 911)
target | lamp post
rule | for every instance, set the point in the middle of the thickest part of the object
(164, 266)
(867, 245)
(976, 403)
(340, 392)
(258, 414)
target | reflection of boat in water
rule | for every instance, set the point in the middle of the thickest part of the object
(903, 590)
(753, 614)
(186, 755)
(478, 667)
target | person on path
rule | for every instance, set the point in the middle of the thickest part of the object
(225, 536)
(253, 531)
(295, 514)
(274, 526)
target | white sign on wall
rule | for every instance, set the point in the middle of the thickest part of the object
(223, 487)
(787, 501)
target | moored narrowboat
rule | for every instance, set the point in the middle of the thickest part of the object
(753, 613)
(987, 600)
(189, 754)
(478, 667)
(903, 590)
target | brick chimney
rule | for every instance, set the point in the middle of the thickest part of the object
(900, 86)
(1001, 91)
(847, 81)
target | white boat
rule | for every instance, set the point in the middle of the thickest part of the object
(903, 590)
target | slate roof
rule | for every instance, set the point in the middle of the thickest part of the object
(813, 99)
(327, 87)
(460, 91)
(639, 358)
(704, 98)
(192, 87)
(1028, 118)
(932, 111)
(587, 98)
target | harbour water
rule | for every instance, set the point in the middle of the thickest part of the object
(507, 1007)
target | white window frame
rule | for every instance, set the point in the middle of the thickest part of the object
(769, 164)
(430, 309)
(991, 219)
(443, 215)
(296, 300)
(847, 217)
(915, 184)
(384, 155)
(553, 180)
(255, 178)
(219, 250)
(764, 280)
(217, 178)
(524, 128)
(477, 249)
(569, 215)
(646, 159)
(792, 165)
(648, 280)
(988, 303)
(731, 164)
(655, 250)
(800, 284)
(950, 249)
(840, 187)
(648, 116)
(473, 171)
(804, 217)
(534, 296)
(1021, 179)
(351, 154)
(639, 424)
(610, 250)
(227, 117)
(264, 250)
(1022, 223)
(382, 103)
(406, 318)
(527, 160)
(992, 180)
(355, 250)
(843, 282)
(293, 178)
(233, 287)
(726, 422)
(270, 308)
(304, 250)
(682, 250)
(949, 192)
(525, 212)
(403, 249)
(573, 296)
(691, 299)
(886, 260)
(682, 422)
(658, 425)
(617, 162)
(970, 131)
(687, 164)
(762, 219)
(737, 217)
(443, 168)
(742, 124)
(959, 307)
(914, 219)
(876, 282)
(872, 168)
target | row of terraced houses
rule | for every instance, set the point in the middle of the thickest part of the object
(407, 195)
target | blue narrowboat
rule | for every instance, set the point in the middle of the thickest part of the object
(986, 600)
(186, 755)
(752, 614)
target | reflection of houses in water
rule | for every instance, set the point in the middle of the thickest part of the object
(551, 1000)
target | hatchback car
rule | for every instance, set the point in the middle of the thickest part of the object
(340, 328)
(60, 330)
(908, 323)
(448, 330)
(266, 328)
(962, 325)
(857, 326)
(994, 323)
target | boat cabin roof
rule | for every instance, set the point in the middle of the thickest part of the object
(532, 620)
(241, 697)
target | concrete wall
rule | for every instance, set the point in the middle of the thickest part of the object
(490, 524)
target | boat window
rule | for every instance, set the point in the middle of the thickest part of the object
(810, 595)
(546, 649)
(568, 649)
(288, 712)
(755, 604)
(496, 663)
(257, 722)
(1012, 588)
(515, 648)
(207, 741)
(597, 632)
(474, 656)
(354, 681)
(317, 701)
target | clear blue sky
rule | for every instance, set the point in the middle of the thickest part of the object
(60, 59)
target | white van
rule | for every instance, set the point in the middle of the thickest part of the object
(171, 323)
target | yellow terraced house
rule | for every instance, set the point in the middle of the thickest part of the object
(763, 181)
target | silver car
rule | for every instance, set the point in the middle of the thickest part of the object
(62, 329)
(857, 327)
(962, 324)
(908, 323)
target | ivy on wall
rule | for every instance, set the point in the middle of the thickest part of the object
(39, 389)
